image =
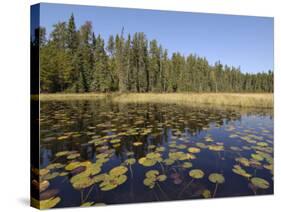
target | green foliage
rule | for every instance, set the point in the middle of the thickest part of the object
(77, 61)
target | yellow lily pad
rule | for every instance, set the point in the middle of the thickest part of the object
(196, 173)
(119, 170)
(46, 204)
(206, 193)
(187, 165)
(260, 183)
(87, 204)
(193, 150)
(130, 161)
(216, 178)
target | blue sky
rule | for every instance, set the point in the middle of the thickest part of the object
(243, 41)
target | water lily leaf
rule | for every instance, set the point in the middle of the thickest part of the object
(260, 183)
(187, 165)
(206, 193)
(201, 145)
(243, 161)
(238, 170)
(110, 182)
(152, 173)
(72, 165)
(46, 204)
(262, 144)
(257, 157)
(73, 156)
(63, 153)
(50, 193)
(81, 182)
(196, 173)
(130, 161)
(55, 166)
(62, 174)
(216, 147)
(216, 178)
(147, 162)
(161, 177)
(208, 139)
(119, 170)
(193, 150)
(50, 176)
(114, 141)
(269, 167)
(137, 143)
(63, 137)
(44, 185)
(43, 172)
(149, 182)
(168, 161)
(160, 149)
(87, 204)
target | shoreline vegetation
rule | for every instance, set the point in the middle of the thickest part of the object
(80, 60)
(245, 100)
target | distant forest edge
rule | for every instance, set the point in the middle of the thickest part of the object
(77, 61)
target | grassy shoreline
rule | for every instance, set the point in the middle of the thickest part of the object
(257, 100)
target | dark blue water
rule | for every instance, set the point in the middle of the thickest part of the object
(241, 133)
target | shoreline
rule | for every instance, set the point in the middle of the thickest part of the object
(254, 100)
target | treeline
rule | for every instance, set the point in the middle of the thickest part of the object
(74, 60)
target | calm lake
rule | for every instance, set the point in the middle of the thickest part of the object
(100, 152)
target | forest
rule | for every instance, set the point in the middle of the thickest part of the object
(79, 60)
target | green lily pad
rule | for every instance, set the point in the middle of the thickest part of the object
(152, 173)
(130, 161)
(187, 165)
(243, 161)
(196, 173)
(216, 147)
(257, 157)
(216, 178)
(63, 153)
(46, 204)
(73, 156)
(168, 161)
(193, 150)
(119, 170)
(55, 166)
(260, 183)
(87, 204)
(111, 182)
(238, 170)
(137, 143)
(147, 162)
(206, 193)
(72, 165)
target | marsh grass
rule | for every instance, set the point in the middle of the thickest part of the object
(256, 100)
(72, 96)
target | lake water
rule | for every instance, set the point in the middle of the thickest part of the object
(99, 152)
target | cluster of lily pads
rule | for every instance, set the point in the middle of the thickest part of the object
(164, 151)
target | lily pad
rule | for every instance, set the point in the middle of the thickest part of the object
(137, 143)
(46, 204)
(206, 193)
(216, 178)
(260, 183)
(130, 161)
(111, 182)
(119, 170)
(187, 165)
(87, 204)
(196, 174)
(193, 150)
